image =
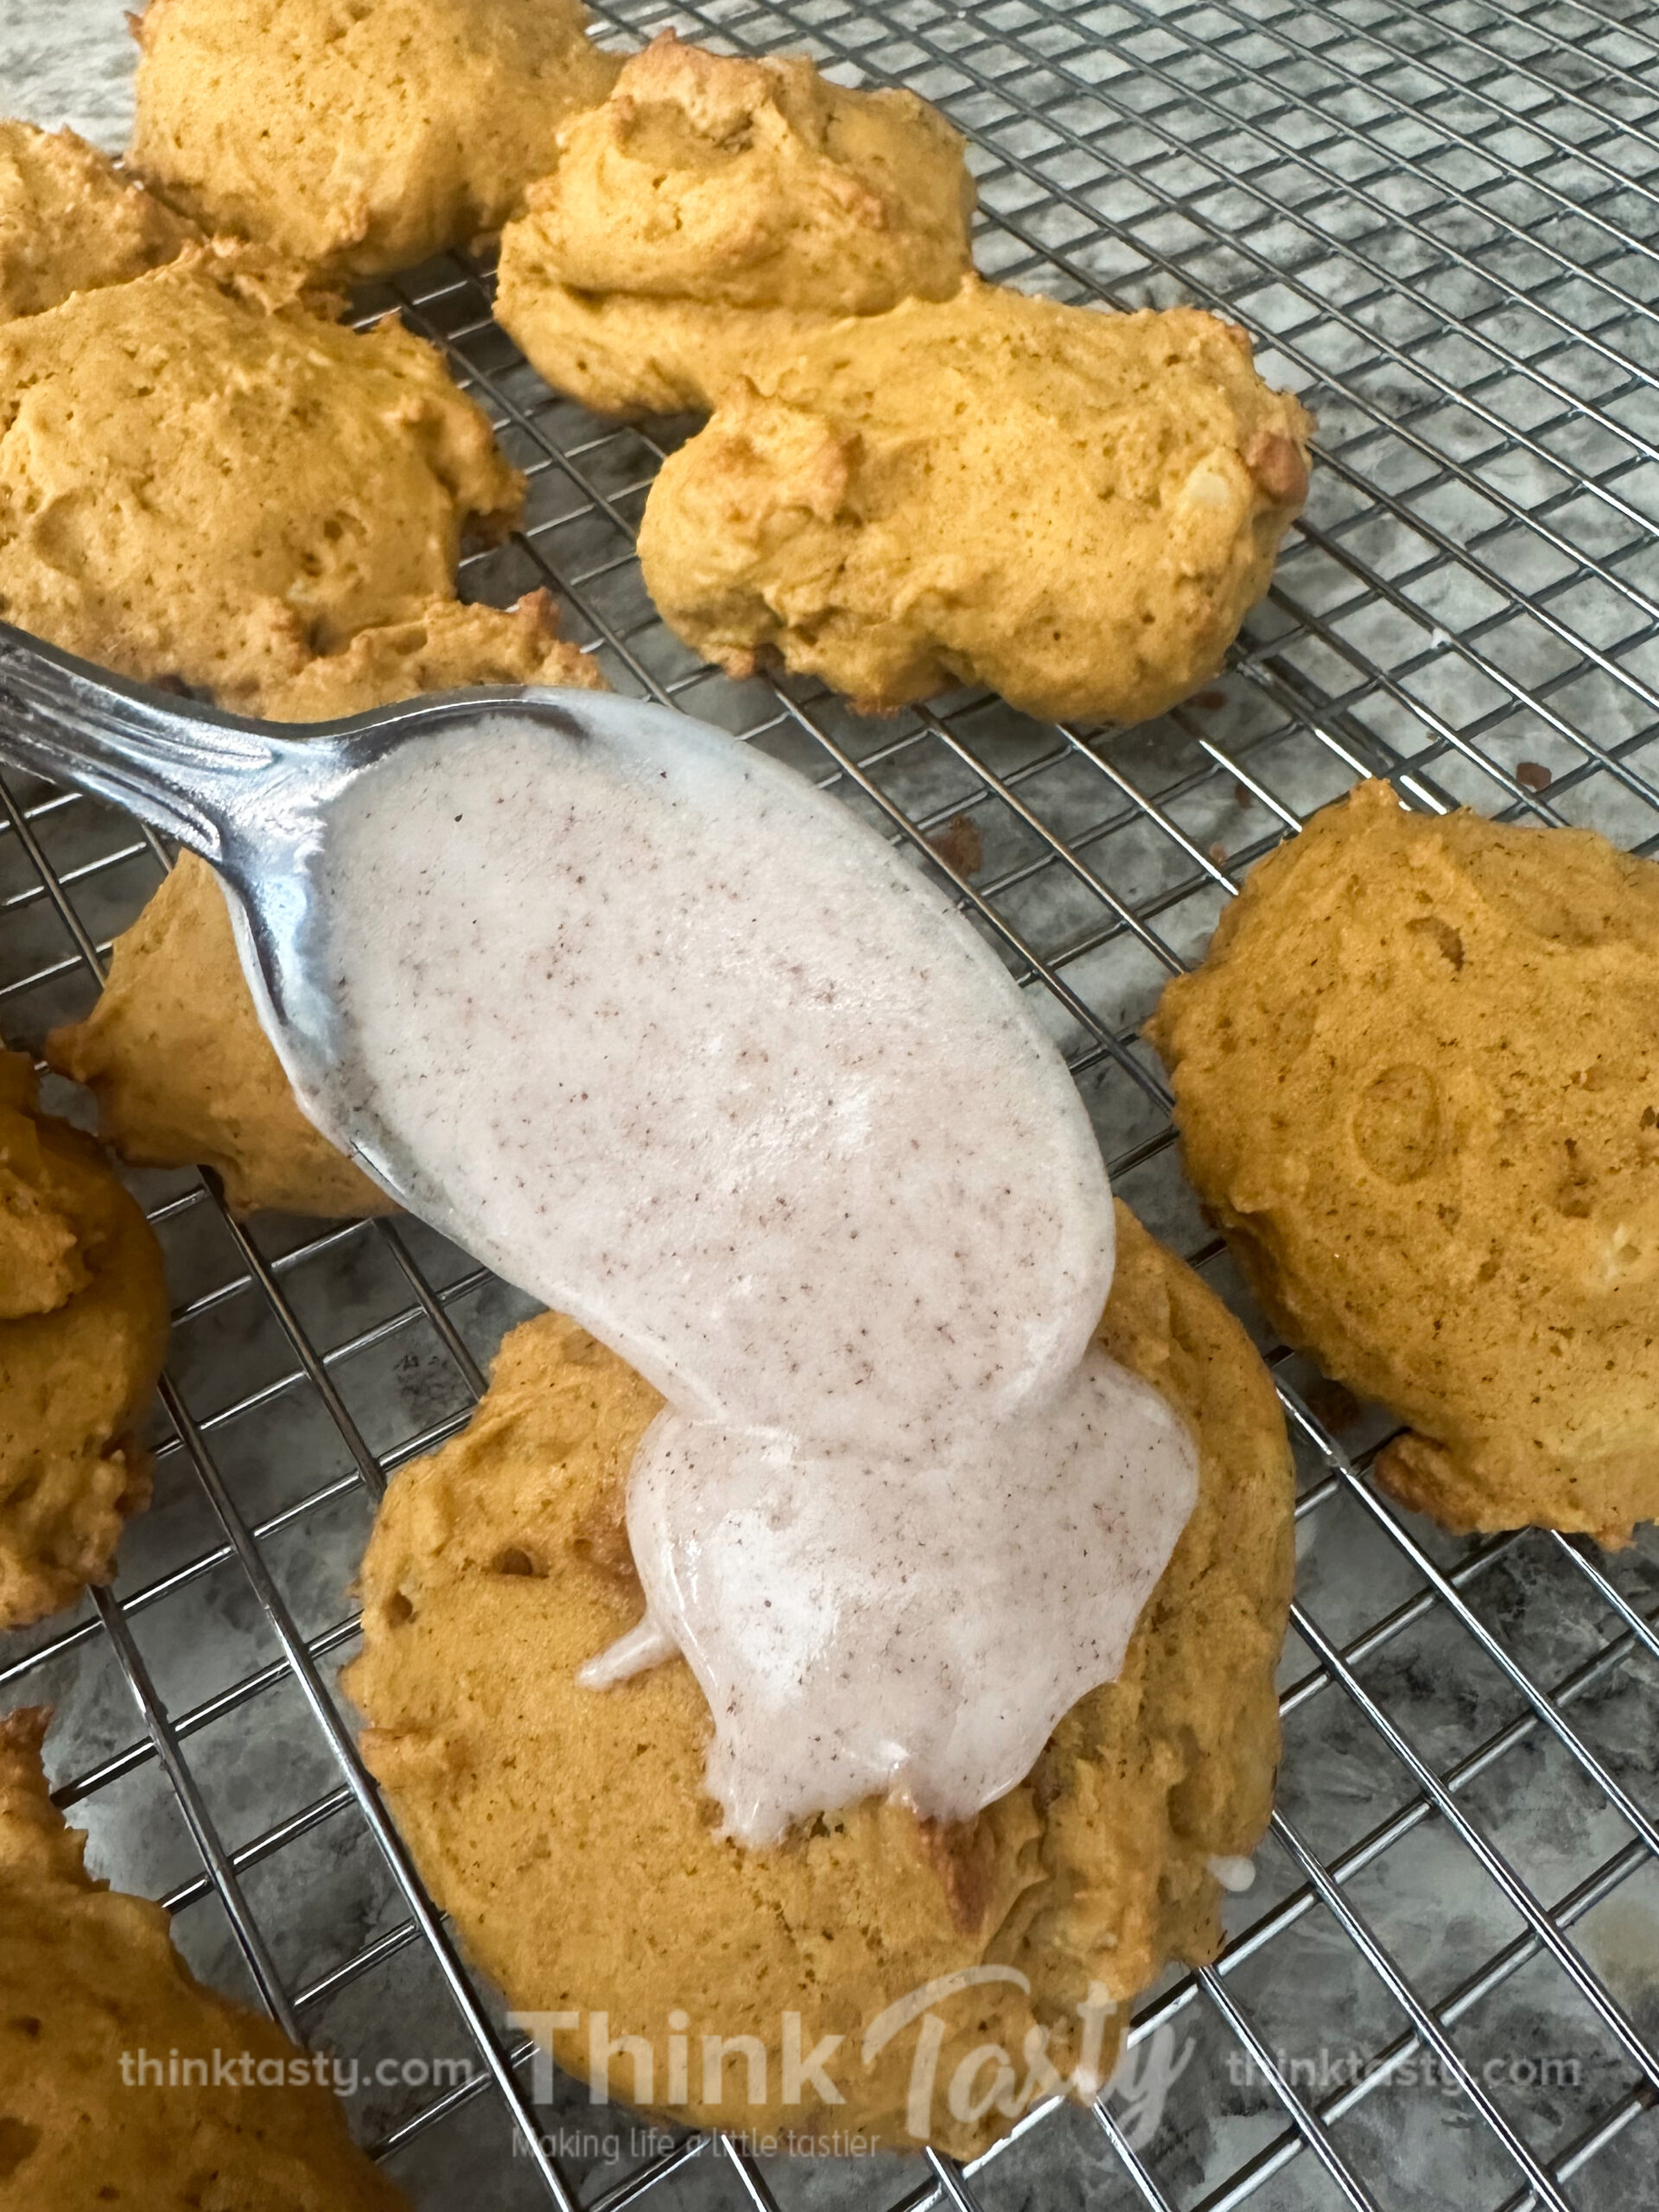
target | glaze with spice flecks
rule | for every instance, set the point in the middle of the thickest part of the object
(682, 1048)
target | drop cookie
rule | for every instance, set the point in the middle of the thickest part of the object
(202, 477)
(358, 139)
(89, 1983)
(1417, 1083)
(556, 1823)
(82, 1329)
(1073, 507)
(70, 222)
(715, 211)
(183, 1073)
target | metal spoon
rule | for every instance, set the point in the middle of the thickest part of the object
(254, 799)
(658, 1003)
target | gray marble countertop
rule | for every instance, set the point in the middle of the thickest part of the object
(68, 62)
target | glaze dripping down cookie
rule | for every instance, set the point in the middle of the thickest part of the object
(554, 1824)
(659, 1033)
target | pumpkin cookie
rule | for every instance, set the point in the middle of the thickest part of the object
(183, 1073)
(358, 139)
(70, 222)
(1417, 1082)
(90, 1986)
(83, 1327)
(715, 211)
(202, 477)
(1073, 507)
(556, 1823)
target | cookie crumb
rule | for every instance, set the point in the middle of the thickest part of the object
(960, 845)
(1279, 466)
(1534, 775)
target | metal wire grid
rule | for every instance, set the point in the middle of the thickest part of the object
(1435, 219)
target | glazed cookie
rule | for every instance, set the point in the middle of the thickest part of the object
(83, 1328)
(89, 1981)
(556, 1823)
(201, 478)
(1073, 507)
(70, 222)
(183, 1073)
(1417, 1082)
(358, 139)
(716, 211)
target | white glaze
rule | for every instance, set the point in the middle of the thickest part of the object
(862, 1623)
(679, 1046)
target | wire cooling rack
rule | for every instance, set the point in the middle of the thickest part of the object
(1444, 1989)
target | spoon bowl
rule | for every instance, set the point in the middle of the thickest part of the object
(254, 798)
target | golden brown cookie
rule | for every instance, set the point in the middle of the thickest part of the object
(42, 1263)
(358, 139)
(200, 477)
(82, 1329)
(716, 211)
(568, 1833)
(1073, 507)
(183, 1073)
(70, 222)
(1417, 1082)
(90, 1987)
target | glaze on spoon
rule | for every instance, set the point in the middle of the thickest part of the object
(686, 1050)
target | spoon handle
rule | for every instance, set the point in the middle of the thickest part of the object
(173, 763)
